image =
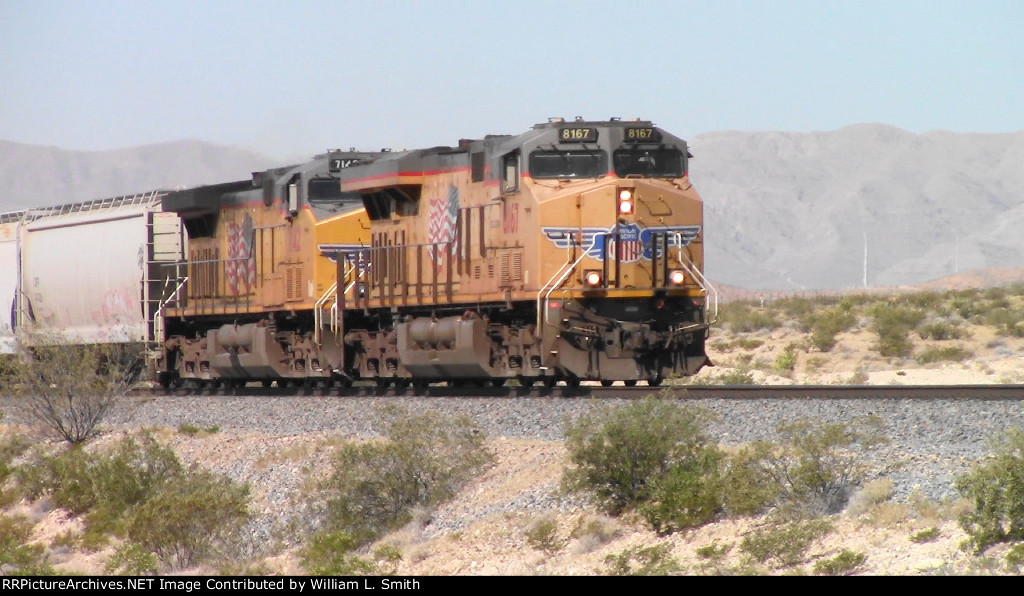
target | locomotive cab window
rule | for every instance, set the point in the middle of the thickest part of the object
(510, 172)
(649, 163)
(568, 164)
(326, 198)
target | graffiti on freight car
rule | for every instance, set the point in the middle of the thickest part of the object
(117, 306)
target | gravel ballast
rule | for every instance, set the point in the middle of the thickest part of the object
(931, 442)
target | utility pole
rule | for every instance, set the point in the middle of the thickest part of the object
(865, 258)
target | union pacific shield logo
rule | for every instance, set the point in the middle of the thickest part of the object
(627, 248)
(635, 242)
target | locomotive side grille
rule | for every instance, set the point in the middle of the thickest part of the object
(293, 283)
(517, 267)
(476, 271)
(203, 276)
(506, 273)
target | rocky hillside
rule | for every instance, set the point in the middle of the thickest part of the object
(36, 176)
(805, 211)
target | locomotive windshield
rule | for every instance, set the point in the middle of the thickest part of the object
(568, 164)
(650, 163)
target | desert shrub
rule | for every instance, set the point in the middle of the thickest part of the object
(994, 293)
(871, 495)
(786, 361)
(742, 317)
(102, 486)
(12, 445)
(67, 390)
(784, 543)
(844, 563)
(923, 300)
(996, 487)
(893, 324)
(189, 517)
(593, 532)
(688, 494)
(736, 376)
(815, 363)
(1007, 321)
(927, 535)
(139, 489)
(747, 487)
(858, 377)
(131, 559)
(942, 354)
(825, 325)
(647, 560)
(939, 331)
(795, 308)
(624, 455)
(424, 460)
(713, 551)
(747, 343)
(192, 430)
(964, 306)
(17, 556)
(1015, 556)
(815, 466)
(333, 554)
(543, 536)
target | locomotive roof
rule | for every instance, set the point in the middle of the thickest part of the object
(406, 167)
(361, 170)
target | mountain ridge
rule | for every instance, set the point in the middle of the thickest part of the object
(868, 204)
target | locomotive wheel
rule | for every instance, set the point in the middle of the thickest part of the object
(654, 382)
(630, 383)
(383, 382)
(498, 382)
(606, 382)
(550, 382)
(420, 385)
(267, 383)
(527, 382)
(401, 382)
(572, 381)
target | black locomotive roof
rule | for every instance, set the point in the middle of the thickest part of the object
(203, 198)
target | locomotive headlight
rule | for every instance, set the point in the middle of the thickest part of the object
(625, 201)
(677, 277)
(592, 278)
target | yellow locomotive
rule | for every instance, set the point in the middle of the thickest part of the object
(571, 252)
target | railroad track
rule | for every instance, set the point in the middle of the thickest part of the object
(981, 392)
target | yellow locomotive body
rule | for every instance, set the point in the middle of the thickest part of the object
(247, 303)
(571, 252)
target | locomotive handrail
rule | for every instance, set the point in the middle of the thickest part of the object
(702, 281)
(318, 320)
(564, 272)
(318, 317)
(335, 318)
(158, 325)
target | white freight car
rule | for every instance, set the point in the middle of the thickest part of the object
(89, 272)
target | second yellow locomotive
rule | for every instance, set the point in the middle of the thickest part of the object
(571, 252)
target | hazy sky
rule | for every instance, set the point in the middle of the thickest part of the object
(292, 78)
